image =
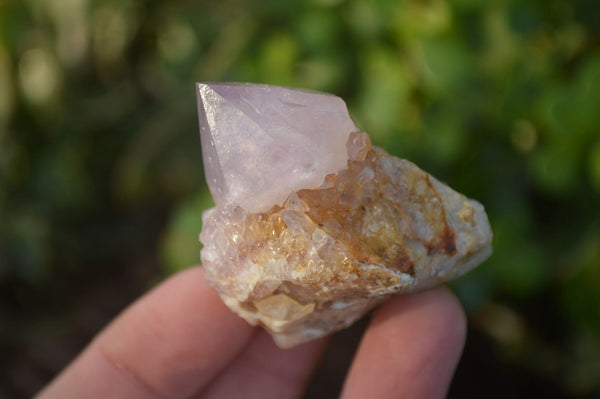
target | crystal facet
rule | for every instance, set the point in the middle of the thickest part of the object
(262, 142)
(313, 227)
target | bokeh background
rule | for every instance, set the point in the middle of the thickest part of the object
(101, 182)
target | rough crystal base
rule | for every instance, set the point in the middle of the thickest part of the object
(327, 255)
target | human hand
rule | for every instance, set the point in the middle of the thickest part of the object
(180, 341)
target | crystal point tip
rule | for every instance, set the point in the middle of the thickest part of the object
(261, 142)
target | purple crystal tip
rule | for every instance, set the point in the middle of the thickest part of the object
(261, 142)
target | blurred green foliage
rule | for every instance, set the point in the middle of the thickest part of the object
(100, 159)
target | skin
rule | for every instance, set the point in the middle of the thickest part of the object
(180, 341)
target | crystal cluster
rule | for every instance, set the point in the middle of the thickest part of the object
(313, 227)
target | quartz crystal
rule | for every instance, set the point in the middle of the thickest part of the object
(262, 142)
(313, 226)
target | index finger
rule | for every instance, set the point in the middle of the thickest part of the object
(168, 344)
